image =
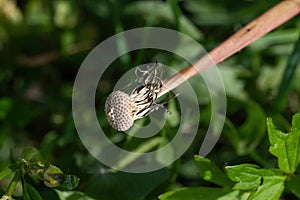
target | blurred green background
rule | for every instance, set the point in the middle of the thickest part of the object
(42, 44)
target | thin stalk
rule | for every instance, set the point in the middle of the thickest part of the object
(287, 78)
(254, 30)
(176, 12)
(13, 183)
(143, 148)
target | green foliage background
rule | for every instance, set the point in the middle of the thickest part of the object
(42, 44)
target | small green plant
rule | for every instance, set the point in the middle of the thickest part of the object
(30, 165)
(249, 181)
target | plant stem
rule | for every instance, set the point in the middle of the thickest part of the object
(13, 183)
(257, 28)
(143, 148)
(287, 78)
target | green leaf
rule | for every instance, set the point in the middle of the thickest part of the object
(210, 172)
(195, 193)
(286, 147)
(30, 193)
(72, 195)
(271, 188)
(249, 176)
(293, 185)
(296, 121)
(269, 183)
(246, 175)
(5, 172)
(235, 195)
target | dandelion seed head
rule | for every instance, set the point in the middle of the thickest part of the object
(118, 111)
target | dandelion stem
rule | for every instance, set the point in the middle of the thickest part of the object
(269, 20)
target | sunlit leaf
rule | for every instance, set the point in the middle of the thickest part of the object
(245, 175)
(195, 193)
(210, 172)
(285, 146)
(249, 176)
(271, 188)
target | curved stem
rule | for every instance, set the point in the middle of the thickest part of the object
(257, 28)
(143, 148)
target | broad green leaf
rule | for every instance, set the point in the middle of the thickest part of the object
(286, 147)
(249, 176)
(271, 188)
(210, 172)
(246, 175)
(235, 195)
(270, 172)
(296, 121)
(30, 193)
(195, 193)
(293, 185)
(72, 195)
(188, 170)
